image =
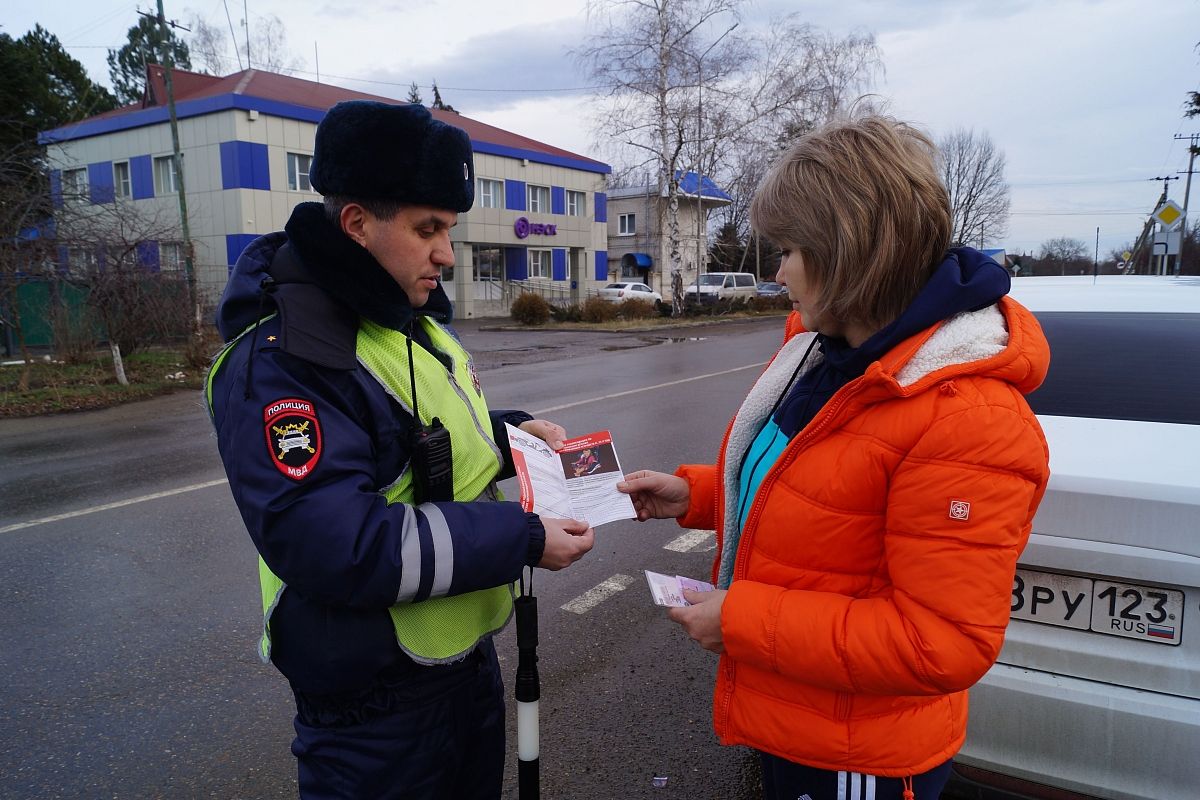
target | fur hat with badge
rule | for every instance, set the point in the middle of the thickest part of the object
(376, 151)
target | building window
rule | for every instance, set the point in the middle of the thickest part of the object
(74, 186)
(489, 263)
(491, 193)
(539, 199)
(165, 177)
(539, 264)
(626, 224)
(299, 165)
(82, 260)
(170, 257)
(575, 204)
(122, 186)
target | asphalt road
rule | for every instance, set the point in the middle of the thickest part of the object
(129, 605)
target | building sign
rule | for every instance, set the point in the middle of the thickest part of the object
(523, 228)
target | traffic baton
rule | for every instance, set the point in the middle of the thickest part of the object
(528, 691)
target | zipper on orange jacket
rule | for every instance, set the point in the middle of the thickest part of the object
(824, 416)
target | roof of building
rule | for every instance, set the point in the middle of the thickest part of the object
(687, 188)
(295, 98)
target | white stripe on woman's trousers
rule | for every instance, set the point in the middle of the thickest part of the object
(855, 786)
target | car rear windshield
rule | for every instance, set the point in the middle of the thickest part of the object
(1121, 366)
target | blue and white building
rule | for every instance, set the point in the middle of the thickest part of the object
(247, 141)
(638, 245)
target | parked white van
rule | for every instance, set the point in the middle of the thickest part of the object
(714, 286)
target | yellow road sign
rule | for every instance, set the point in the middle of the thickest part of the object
(1168, 214)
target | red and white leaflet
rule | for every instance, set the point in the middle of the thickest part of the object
(577, 482)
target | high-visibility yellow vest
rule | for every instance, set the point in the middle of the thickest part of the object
(440, 629)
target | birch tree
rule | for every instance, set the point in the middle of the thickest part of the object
(683, 89)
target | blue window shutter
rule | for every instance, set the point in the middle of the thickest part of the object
(514, 195)
(558, 200)
(244, 166)
(148, 255)
(56, 188)
(229, 165)
(100, 182)
(235, 243)
(601, 202)
(141, 177)
(260, 167)
(601, 265)
(516, 264)
(558, 264)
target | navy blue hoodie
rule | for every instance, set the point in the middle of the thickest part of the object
(966, 280)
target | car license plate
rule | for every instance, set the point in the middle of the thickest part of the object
(1148, 613)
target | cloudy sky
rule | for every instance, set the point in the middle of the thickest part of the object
(1084, 97)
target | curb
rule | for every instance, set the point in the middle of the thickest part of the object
(633, 329)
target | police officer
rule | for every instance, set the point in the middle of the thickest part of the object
(387, 557)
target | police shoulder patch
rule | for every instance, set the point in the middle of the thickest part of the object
(293, 436)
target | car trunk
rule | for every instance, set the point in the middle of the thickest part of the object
(1121, 513)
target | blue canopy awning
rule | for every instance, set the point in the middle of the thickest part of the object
(642, 260)
(687, 185)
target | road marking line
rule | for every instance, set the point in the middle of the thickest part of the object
(107, 506)
(598, 594)
(542, 411)
(690, 542)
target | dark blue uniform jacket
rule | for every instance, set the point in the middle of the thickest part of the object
(329, 535)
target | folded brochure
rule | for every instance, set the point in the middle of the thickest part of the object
(578, 481)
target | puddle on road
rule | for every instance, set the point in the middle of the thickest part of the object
(645, 341)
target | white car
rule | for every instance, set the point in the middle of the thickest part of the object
(1096, 693)
(620, 292)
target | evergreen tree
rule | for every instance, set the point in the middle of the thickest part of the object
(437, 101)
(43, 88)
(127, 66)
(414, 93)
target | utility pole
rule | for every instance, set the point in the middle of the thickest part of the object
(1162, 265)
(177, 165)
(1193, 148)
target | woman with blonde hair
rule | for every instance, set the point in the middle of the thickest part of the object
(874, 490)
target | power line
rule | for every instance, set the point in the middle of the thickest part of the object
(1080, 182)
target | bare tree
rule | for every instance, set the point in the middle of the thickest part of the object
(128, 259)
(973, 171)
(269, 47)
(24, 248)
(209, 47)
(680, 93)
(1063, 256)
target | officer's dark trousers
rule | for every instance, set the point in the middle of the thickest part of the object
(433, 733)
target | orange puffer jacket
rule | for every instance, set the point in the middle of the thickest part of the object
(871, 585)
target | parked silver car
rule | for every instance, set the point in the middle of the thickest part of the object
(1097, 690)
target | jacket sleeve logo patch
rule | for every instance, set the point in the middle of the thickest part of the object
(960, 510)
(293, 436)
